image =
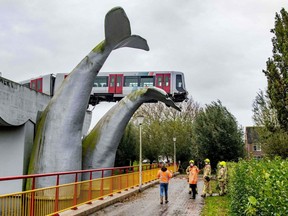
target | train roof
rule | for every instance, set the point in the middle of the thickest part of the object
(137, 73)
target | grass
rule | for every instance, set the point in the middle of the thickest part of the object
(216, 205)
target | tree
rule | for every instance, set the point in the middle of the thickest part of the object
(263, 113)
(273, 143)
(271, 109)
(126, 152)
(277, 70)
(217, 134)
(161, 124)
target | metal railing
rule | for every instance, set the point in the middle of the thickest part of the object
(61, 197)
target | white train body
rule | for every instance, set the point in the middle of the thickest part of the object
(113, 86)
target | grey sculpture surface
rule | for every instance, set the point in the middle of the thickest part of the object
(57, 145)
(100, 146)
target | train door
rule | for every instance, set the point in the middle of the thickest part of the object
(163, 81)
(115, 83)
(36, 84)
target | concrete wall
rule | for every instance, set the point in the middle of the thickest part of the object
(16, 145)
(19, 104)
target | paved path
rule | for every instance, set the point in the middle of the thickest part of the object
(147, 203)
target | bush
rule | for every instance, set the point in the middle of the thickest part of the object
(259, 187)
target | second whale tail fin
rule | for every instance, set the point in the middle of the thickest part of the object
(118, 31)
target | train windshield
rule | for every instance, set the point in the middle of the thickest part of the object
(179, 82)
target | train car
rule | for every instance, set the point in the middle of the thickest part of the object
(113, 86)
(43, 84)
(46, 84)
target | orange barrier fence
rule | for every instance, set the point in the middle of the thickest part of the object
(61, 197)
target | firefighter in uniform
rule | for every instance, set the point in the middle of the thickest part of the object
(221, 178)
(225, 176)
(206, 178)
(187, 172)
(193, 178)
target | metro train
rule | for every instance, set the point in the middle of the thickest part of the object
(113, 86)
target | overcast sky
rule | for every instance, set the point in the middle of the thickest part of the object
(221, 46)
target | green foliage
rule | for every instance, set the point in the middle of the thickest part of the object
(277, 70)
(217, 134)
(199, 134)
(126, 152)
(217, 205)
(259, 187)
(273, 143)
(263, 113)
(161, 124)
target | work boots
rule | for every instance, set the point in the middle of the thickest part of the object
(161, 199)
(166, 199)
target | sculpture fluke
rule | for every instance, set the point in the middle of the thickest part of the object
(57, 145)
(100, 146)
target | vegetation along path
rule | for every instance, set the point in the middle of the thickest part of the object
(148, 202)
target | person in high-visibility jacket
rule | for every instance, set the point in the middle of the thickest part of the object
(225, 176)
(164, 176)
(187, 172)
(221, 178)
(193, 178)
(206, 178)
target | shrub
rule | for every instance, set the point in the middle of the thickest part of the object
(259, 187)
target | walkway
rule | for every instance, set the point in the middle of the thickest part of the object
(147, 202)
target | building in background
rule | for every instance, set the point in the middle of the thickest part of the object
(252, 143)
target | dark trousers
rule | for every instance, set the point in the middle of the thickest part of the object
(193, 188)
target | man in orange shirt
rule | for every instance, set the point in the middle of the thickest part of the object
(193, 178)
(164, 176)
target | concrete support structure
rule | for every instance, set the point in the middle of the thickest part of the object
(19, 107)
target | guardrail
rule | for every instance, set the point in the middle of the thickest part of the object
(61, 197)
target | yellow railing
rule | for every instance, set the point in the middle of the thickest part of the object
(56, 199)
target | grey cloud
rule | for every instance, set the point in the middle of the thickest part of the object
(221, 46)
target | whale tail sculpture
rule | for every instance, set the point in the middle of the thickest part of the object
(57, 144)
(118, 31)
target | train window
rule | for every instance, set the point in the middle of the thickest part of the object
(112, 81)
(179, 84)
(39, 84)
(101, 81)
(166, 81)
(33, 84)
(159, 81)
(26, 85)
(119, 80)
(147, 81)
(130, 81)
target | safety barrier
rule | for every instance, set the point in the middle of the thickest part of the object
(58, 198)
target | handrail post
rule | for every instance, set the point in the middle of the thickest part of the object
(133, 181)
(75, 191)
(127, 174)
(120, 180)
(102, 183)
(56, 194)
(111, 186)
(32, 204)
(90, 189)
